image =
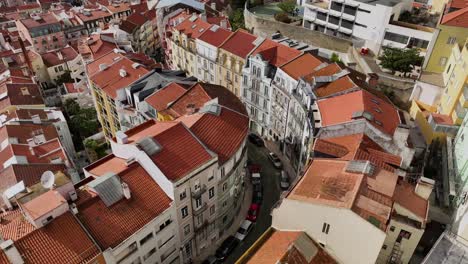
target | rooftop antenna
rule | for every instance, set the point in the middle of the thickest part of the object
(48, 179)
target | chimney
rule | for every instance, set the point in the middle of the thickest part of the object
(203, 17)
(11, 252)
(223, 23)
(213, 5)
(121, 137)
(122, 73)
(102, 66)
(126, 191)
(401, 134)
(372, 79)
(36, 119)
(31, 149)
(60, 55)
(424, 187)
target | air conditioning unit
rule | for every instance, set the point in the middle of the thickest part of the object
(73, 195)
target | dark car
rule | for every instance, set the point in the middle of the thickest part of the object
(257, 195)
(256, 140)
(211, 260)
(228, 245)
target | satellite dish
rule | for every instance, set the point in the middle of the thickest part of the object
(48, 179)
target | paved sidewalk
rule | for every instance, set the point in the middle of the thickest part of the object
(235, 224)
(273, 146)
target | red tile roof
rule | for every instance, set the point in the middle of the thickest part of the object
(241, 43)
(382, 114)
(52, 244)
(277, 54)
(43, 204)
(406, 197)
(118, 8)
(223, 134)
(301, 66)
(161, 98)
(109, 163)
(46, 19)
(442, 119)
(20, 94)
(26, 131)
(112, 225)
(110, 80)
(458, 18)
(94, 15)
(193, 29)
(181, 151)
(274, 248)
(52, 58)
(215, 35)
(14, 225)
(201, 93)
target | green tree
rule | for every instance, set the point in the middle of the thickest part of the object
(71, 107)
(402, 60)
(282, 17)
(237, 19)
(288, 6)
(64, 78)
(85, 122)
(335, 57)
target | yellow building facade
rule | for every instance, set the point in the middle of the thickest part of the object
(106, 111)
(454, 101)
(446, 38)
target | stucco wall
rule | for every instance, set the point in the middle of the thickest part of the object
(266, 27)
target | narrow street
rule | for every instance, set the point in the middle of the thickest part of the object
(271, 193)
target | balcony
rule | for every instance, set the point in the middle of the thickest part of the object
(199, 210)
(464, 97)
(198, 193)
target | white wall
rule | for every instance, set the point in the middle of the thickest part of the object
(351, 239)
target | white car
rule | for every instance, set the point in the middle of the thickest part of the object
(275, 160)
(244, 230)
(256, 178)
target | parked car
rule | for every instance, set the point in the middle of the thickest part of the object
(256, 140)
(284, 180)
(211, 260)
(244, 230)
(275, 160)
(256, 178)
(226, 248)
(252, 214)
(257, 195)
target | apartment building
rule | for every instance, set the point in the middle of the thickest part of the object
(42, 215)
(20, 94)
(93, 19)
(285, 246)
(232, 58)
(448, 249)
(374, 22)
(373, 200)
(183, 43)
(44, 31)
(451, 29)
(200, 171)
(460, 173)
(108, 78)
(207, 46)
(142, 30)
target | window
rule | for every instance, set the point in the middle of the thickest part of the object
(211, 192)
(322, 16)
(360, 25)
(146, 238)
(363, 10)
(448, 68)
(198, 202)
(419, 43)
(184, 212)
(336, 6)
(347, 24)
(265, 90)
(443, 61)
(451, 40)
(334, 20)
(325, 228)
(224, 203)
(392, 228)
(149, 254)
(182, 195)
(222, 172)
(211, 178)
(187, 229)
(350, 10)
(384, 247)
(211, 65)
(396, 37)
(200, 219)
(165, 224)
(212, 210)
(224, 187)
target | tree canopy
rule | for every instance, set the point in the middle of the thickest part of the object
(237, 19)
(288, 6)
(402, 60)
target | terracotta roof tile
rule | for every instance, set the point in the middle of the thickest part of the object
(109, 163)
(193, 29)
(94, 15)
(406, 197)
(46, 19)
(112, 225)
(20, 94)
(301, 66)
(14, 226)
(52, 58)
(42, 204)
(223, 134)
(240, 43)
(384, 116)
(51, 244)
(458, 18)
(215, 35)
(110, 80)
(277, 54)
(161, 98)
(272, 250)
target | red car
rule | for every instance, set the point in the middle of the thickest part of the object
(253, 212)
